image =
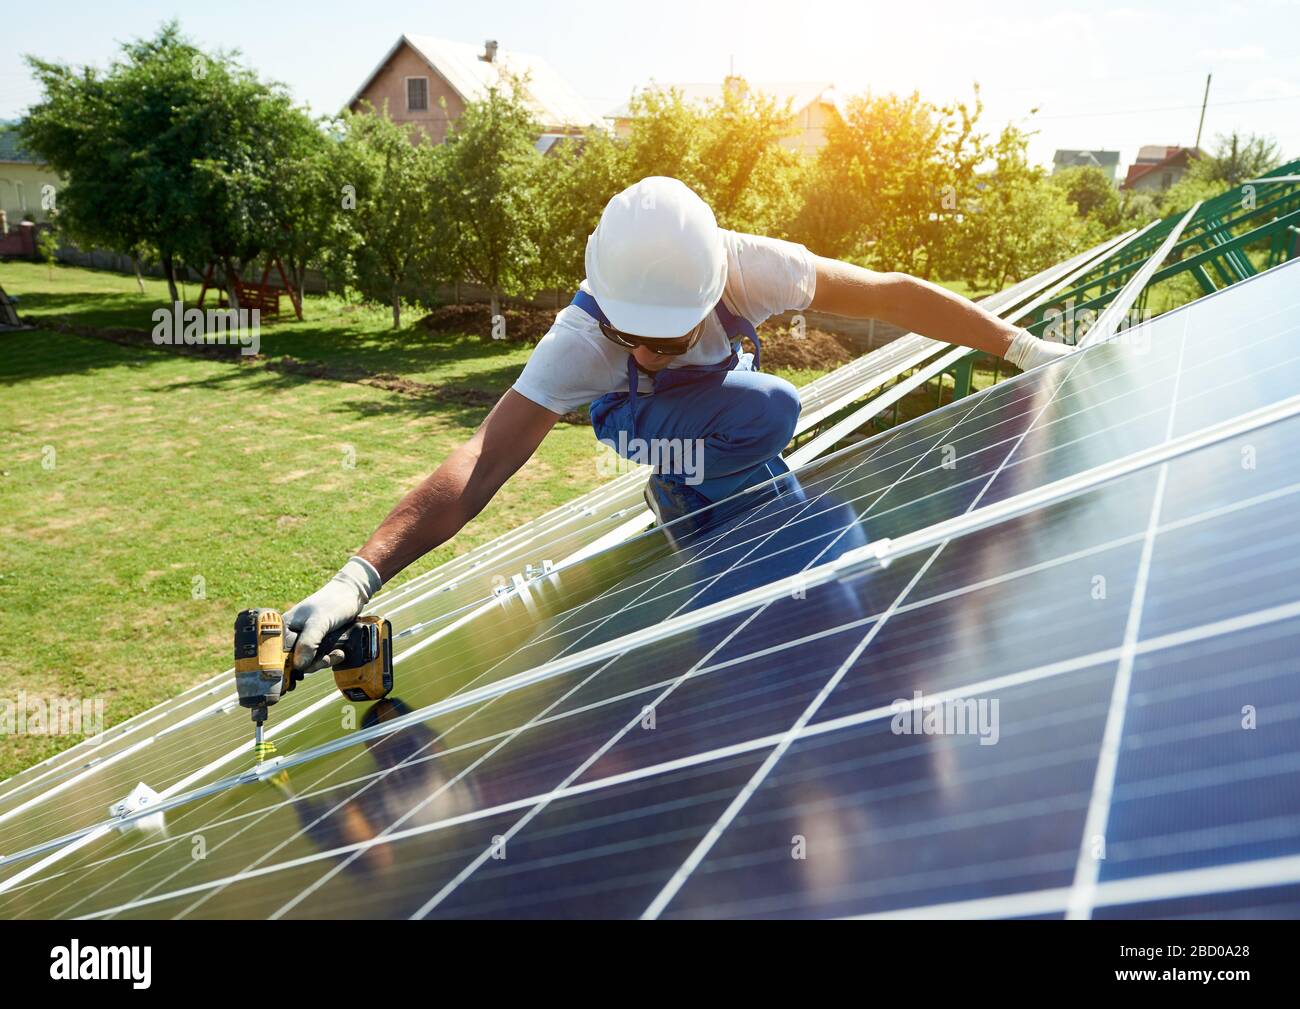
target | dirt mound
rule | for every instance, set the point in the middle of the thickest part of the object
(524, 324)
(815, 348)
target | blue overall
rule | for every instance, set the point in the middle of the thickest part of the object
(742, 419)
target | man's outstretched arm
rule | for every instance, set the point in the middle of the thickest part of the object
(922, 307)
(425, 518)
(461, 487)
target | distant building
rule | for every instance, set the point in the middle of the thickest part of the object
(23, 180)
(419, 74)
(1158, 167)
(1107, 161)
(813, 105)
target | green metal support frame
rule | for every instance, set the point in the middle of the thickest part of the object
(1262, 213)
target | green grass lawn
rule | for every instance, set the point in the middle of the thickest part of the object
(147, 496)
(332, 332)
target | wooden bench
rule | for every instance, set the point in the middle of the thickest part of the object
(263, 296)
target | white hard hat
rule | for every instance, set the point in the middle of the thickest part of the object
(655, 262)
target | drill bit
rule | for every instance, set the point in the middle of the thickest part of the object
(262, 748)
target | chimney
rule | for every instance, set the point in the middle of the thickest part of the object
(489, 51)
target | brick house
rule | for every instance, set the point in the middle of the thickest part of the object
(1158, 167)
(428, 81)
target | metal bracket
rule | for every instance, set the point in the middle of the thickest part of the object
(872, 557)
(142, 798)
(535, 571)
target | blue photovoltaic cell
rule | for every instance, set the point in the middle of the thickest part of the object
(588, 793)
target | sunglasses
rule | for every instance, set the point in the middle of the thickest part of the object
(661, 347)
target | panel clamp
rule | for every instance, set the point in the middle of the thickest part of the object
(874, 556)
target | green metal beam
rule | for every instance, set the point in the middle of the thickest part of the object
(1197, 262)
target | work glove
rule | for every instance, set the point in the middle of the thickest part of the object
(1028, 351)
(335, 604)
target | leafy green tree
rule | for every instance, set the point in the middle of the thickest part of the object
(488, 205)
(79, 129)
(384, 247)
(1021, 223)
(889, 187)
(1091, 191)
(665, 137)
(1237, 159)
(1139, 207)
(47, 247)
(750, 178)
(727, 149)
(577, 180)
(172, 149)
(305, 214)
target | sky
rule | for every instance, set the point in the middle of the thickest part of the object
(1099, 76)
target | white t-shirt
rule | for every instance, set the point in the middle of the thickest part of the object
(574, 363)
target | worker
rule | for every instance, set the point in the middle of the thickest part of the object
(652, 341)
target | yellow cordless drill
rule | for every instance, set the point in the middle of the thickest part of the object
(264, 667)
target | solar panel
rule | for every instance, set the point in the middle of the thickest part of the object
(749, 765)
(457, 589)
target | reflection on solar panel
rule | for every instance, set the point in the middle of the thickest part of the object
(960, 726)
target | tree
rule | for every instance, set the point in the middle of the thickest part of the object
(1020, 224)
(1237, 159)
(488, 200)
(78, 129)
(171, 149)
(727, 149)
(47, 247)
(306, 215)
(385, 244)
(890, 185)
(1093, 194)
(1139, 207)
(577, 180)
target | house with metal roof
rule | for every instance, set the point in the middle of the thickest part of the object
(1107, 161)
(428, 81)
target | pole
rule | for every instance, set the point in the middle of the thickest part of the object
(1204, 101)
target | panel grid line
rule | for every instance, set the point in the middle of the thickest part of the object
(1088, 867)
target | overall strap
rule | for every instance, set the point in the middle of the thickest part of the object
(736, 326)
(588, 304)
